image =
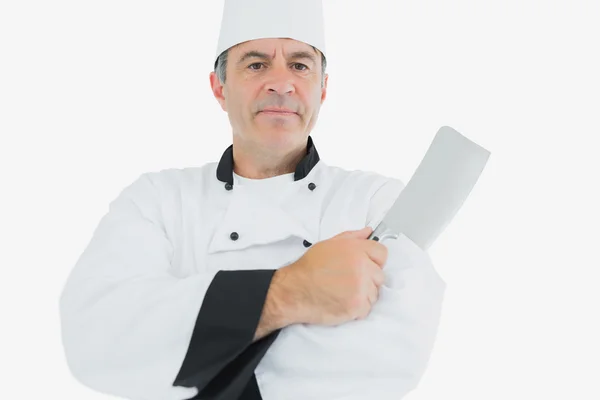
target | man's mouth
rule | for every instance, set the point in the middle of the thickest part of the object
(278, 111)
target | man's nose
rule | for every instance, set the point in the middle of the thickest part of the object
(280, 81)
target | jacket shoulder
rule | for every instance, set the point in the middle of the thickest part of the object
(378, 189)
(158, 191)
(373, 182)
(171, 178)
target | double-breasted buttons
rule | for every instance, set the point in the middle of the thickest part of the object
(306, 243)
(312, 186)
(228, 186)
(234, 236)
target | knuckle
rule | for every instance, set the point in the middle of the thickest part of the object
(383, 251)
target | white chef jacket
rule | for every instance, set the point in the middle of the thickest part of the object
(164, 301)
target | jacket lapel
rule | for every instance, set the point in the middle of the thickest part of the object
(253, 217)
(259, 218)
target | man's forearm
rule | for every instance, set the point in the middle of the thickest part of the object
(280, 308)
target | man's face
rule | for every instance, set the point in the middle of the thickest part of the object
(272, 92)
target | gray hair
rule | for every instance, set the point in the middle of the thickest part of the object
(221, 66)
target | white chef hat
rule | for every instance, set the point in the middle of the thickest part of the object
(245, 20)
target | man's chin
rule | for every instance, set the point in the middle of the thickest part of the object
(280, 137)
(279, 125)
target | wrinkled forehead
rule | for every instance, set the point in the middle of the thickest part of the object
(271, 46)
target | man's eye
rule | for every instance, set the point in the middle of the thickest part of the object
(255, 64)
(301, 65)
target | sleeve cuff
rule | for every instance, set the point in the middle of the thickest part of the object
(225, 328)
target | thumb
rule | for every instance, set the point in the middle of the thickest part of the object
(355, 234)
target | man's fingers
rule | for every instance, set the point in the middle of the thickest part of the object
(377, 274)
(373, 295)
(377, 252)
(363, 233)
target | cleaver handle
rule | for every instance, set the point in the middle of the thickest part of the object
(382, 232)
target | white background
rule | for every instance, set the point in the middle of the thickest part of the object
(93, 93)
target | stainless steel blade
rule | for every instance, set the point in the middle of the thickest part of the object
(436, 191)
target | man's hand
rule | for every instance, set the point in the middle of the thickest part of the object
(337, 280)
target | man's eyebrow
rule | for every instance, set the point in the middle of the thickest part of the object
(253, 54)
(303, 54)
(264, 56)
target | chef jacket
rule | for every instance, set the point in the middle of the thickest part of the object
(164, 301)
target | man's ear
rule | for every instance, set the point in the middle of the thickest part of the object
(324, 89)
(218, 90)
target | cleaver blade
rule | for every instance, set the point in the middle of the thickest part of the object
(436, 191)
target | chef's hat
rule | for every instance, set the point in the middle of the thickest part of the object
(245, 20)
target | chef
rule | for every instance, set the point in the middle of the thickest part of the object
(252, 277)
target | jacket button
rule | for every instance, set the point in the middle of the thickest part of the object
(307, 243)
(228, 186)
(312, 186)
(234, 236)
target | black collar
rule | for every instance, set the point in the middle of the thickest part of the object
(225, 167)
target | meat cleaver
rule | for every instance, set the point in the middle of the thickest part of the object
(436, 191)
